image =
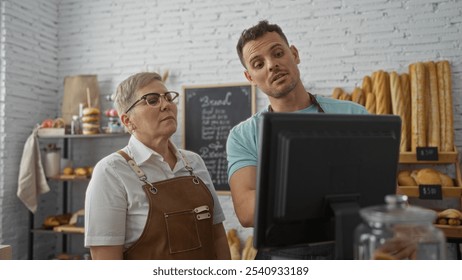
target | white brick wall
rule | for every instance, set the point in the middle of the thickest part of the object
(29, 90)
(339, 42)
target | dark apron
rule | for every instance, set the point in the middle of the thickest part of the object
(313, 101)
(179, 225)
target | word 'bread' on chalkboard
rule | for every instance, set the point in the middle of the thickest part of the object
(209, 114)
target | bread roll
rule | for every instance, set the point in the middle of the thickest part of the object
(419, 113)
(453, 222)
(428, 176)
(446, 181)
(442, 221)
(405, 179)
(50, 222)
(433, 133)
(370, 103)
(358, 96)
(450, 214)
(398, 107)
(445, 103)
(406, 90)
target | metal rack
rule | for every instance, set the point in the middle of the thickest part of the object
(66, 183)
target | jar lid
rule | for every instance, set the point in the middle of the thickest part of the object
(397, 210)
(51, 147)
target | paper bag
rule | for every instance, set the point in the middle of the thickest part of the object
(75, 92)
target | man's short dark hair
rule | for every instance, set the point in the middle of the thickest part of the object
(256, 32)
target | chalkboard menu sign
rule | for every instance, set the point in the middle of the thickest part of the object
(209, 114)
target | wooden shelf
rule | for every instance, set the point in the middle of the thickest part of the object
(85, 136)
(413, 191)
(451, 231)
(70, 178)
(51, 231)
(443, 158)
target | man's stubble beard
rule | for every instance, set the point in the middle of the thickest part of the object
(284, 92)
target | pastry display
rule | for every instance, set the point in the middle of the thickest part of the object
(91, 121)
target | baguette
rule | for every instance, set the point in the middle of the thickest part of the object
(382, 93)
(398, 107)
(433, 133)
(358, 96)
(441, 102)
(406, 90)
(337, 92)
(249, 252)
(446, 110)
(418, 119)
(234, 244)
(366, 85)
(370, 103)
(345, 96)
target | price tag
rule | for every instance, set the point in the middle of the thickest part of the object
(433, 192)
(427, 153)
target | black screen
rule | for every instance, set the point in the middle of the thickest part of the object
(312, 165)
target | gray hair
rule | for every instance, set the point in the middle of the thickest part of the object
(126, 91)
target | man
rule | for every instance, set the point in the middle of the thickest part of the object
(272, 65)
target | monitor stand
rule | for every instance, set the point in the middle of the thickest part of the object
(346, 214)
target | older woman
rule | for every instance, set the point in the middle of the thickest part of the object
(151, 200)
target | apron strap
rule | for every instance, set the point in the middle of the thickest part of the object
(143, 178)
(188, 167)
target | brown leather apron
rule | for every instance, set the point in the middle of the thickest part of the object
(179, 225)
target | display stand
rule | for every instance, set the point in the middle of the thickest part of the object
(451, 197)
(66, 182)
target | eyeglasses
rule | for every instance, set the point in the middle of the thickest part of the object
(153, 99)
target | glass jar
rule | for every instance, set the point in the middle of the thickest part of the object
(75, 125)
(52, 160)
(398, 231)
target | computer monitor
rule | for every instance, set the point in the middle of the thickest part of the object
(315, 171)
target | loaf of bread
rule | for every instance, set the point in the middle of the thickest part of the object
(446, 181)
(450, 213)
(398, 107)
(337, 92)
(405, 179)
(249, 252)
(418, 102)
(433, 132)
(57, 220)
(381, 89)
(367, 84)
(234, 244)
(427, 176)
(370, 103)
(445, 103)
(345, 96)
(449, 117)
(450, 217)
(406, 90)
(358, 96)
